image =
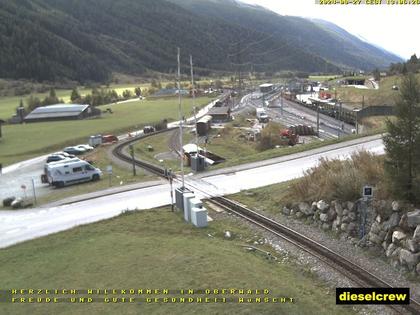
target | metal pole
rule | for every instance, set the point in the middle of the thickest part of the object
(281, 102)
(180, 120)
(357, 123)
(341, 110)
(317, 119)
(193, 97)
(172, 192)
(33, 188)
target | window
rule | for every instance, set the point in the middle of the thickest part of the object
(88, 168)
(77, 169)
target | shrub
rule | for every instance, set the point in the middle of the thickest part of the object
(343, 180)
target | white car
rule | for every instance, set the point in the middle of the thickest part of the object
(86, 147)
(63, 154)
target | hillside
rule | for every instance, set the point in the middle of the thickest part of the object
(318, 37)
(87, 40)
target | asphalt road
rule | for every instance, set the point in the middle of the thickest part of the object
(18, 226)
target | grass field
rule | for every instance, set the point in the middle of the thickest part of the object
(8, 104)
(157, 250)
(385, 95)
(322, 78)
(20, 142)
(225, 143)
(270, 198)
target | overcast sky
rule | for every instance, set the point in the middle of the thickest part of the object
(395, 28)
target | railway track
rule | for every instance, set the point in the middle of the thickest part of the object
(344, 266)
(354, 272)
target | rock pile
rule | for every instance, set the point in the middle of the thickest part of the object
(396, 232)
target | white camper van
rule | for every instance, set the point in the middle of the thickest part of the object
(262, 115)
(71, 172)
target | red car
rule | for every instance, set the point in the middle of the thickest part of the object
(109, 139)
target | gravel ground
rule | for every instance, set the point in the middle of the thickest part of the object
(369, 260)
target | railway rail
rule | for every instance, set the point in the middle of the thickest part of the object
(344, 266)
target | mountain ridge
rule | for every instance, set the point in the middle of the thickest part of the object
(52, 40)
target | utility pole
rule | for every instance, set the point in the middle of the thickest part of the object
(281, 102)
(172, 192)
(180, 119)
(239, 67)
(341, 110)
(317, 119)
(193, 98)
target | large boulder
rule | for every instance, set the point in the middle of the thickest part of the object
(345, 219)
(336, 224)
(398, 237)
(286, 211)
(351, 228)
(351, 206)
(391, 248)
(332, 214)
(396, 253)
(324, 217)
(404, 223)
(322, 206)
(409, 259)
(338, 208)
(392, 222)
(413, 218)
(375, 239)
(375, 228)
(416, 234)
(305, 208)
(395, 206)
(413, 245)
(344, 226)
(352, 216)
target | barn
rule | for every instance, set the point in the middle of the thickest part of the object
(62, 112)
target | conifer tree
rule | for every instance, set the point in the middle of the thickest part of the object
(402, 143)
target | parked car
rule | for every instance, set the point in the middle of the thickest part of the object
(74, 150)
(56, 158)
(85, 146)
(70, 156)
(109, 139)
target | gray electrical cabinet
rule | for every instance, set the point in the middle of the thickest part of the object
(188, 196)
(179, 197)
(199, 217)
(197, 163)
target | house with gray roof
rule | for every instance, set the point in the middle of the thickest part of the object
(62, 112)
